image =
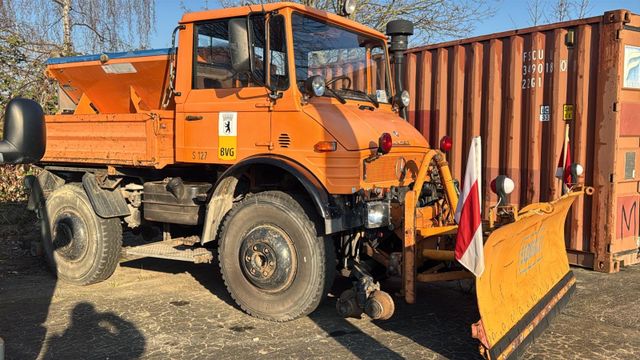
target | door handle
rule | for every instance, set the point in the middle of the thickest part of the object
(193, 117)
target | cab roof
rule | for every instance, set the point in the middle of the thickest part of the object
(245, 10)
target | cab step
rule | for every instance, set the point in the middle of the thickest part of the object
(171, 250)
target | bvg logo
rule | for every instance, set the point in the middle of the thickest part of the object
(530, 252)
(227, 135)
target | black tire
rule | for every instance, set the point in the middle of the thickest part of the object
(81, 247)
(271, 232)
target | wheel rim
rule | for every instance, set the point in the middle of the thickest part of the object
(268, 258)
(70, 240)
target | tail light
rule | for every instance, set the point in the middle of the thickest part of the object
(385, 143)
(446, 144)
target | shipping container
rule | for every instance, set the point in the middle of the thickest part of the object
(518, 90)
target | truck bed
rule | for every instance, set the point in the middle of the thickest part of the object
(143, 139)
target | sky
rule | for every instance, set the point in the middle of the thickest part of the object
(510, 14)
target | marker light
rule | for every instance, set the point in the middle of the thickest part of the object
(502, 186)
(325, 146)
(446, 144)
(577, 169)
(507, 185)
(385, 143)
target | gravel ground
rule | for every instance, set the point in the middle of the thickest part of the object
(165, 309)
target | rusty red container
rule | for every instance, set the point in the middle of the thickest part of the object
(518, 90)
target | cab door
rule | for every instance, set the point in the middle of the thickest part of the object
(221, 116)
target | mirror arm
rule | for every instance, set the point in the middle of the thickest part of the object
(250, 41)
(267, 53)
(273, 92)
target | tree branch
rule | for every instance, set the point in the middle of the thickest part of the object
(102, 38)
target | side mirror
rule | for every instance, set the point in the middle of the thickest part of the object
(24, 133)
(239, 45)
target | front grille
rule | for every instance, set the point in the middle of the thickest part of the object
(384, 168)
(380, 169)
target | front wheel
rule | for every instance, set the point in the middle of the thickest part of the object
(273, 262)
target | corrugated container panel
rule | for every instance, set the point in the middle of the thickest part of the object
(521, 90)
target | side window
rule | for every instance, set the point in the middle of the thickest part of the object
(278, 47)
(378, 68)
(212, 59)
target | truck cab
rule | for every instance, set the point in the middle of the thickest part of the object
(227, 110)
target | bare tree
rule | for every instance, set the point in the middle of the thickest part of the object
(434, 19)
(557, 10)
(581, 8)
(85, 25)
(31, 31)
(67, 45)
(560, 10)
(185, 8)
(534, 8)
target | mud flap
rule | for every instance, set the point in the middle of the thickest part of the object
(106, 203)
(526, 281)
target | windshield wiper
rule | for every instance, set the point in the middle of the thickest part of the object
(336, 95)
(371, 98)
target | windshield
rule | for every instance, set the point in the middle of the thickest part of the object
(337, 54)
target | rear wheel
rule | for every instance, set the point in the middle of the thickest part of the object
(272, 261)
(81, 247)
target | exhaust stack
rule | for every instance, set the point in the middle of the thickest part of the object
(399, 32)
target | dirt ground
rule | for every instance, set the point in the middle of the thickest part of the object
(170, 310)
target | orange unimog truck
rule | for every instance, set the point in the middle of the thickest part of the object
(271, 136)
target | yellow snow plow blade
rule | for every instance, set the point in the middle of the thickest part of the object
(526, 280)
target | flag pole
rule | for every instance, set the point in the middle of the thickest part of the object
(565, 147)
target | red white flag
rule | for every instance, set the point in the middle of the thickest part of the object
(469, 244)
(563, 171)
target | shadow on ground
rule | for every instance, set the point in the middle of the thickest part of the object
(439, 322)
(28, 295)
(94, 334)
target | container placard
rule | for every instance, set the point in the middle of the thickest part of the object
(227, 135)
(545, 113)
(567, 112)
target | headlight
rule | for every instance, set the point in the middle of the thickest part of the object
(349, 7)
(377, 214)
(405, 99)
(315, 85)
